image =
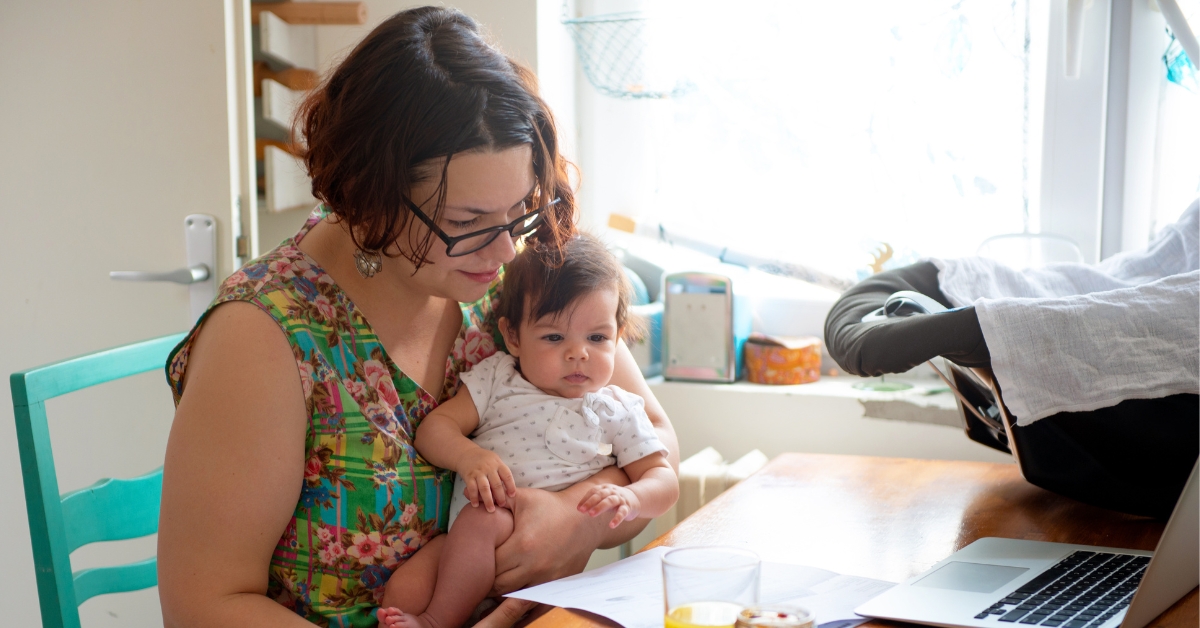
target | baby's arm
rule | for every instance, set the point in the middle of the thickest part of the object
(652, 490)
(442, 440)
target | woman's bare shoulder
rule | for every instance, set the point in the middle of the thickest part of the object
(237, 336)
(241, 362)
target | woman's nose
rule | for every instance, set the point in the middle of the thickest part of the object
(503, 249)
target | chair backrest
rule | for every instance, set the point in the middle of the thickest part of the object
(109, 510)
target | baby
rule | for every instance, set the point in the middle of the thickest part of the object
(542, 416)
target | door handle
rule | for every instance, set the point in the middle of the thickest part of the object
(185, 276)
(200, 274)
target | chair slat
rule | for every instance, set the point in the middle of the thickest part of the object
(132, 577)
(112, 510)
(73, 374)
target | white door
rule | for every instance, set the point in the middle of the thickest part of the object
(117, 120)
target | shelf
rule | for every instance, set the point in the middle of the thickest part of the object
(287, 185)
(284, 45)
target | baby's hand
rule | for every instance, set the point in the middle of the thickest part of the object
(611, 497)
(487, 479)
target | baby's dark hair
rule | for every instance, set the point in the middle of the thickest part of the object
(547, 282)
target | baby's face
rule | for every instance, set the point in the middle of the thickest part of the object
(573, 352)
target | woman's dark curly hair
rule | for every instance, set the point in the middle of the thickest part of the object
(419, 89)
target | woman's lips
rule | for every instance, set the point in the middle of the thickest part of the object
(484, 277)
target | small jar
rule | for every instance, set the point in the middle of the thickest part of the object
(775, 616)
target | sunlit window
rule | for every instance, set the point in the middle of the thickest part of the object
(1177, 142)
(814, 132)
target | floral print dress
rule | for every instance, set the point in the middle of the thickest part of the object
(368, 500)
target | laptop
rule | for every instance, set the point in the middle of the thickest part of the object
(1009, 582)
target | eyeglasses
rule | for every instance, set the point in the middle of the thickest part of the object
(457, 246)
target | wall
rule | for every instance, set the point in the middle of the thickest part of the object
(511, 24)
(114, 126)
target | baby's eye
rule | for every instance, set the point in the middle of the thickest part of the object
(597, 337)
(552, 337)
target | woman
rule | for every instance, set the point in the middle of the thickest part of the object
(291, 489)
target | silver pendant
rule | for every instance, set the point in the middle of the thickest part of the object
(367, 263)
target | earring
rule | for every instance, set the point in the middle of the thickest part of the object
(368, 263)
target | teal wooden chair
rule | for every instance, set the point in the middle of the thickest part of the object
(110, 510)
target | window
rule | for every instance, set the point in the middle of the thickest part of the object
(816, 132)
(1177, 142)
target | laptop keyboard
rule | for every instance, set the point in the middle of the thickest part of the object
(1083, 590)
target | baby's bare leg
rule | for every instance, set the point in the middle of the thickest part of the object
(466, 571)
(411, 586)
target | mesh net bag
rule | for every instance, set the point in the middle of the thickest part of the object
(614, 52)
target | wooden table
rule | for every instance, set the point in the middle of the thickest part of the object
(891, 519)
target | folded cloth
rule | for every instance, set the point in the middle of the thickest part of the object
(1074, 337)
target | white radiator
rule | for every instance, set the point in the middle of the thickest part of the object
(705, 475)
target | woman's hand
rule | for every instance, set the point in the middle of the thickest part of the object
(486, 478)
(550, 539)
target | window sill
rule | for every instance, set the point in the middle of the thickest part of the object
(828, 416)
(928, 401)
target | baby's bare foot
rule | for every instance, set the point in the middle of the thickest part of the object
(390, 618)
(396, 618)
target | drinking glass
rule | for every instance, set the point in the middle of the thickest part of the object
(706, 587)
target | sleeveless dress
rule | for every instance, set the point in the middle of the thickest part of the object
(368, 501)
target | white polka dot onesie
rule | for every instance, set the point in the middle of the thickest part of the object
(552, 442)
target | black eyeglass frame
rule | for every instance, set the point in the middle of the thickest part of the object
(494, 231)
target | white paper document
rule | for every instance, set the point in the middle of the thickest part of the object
(630, 591)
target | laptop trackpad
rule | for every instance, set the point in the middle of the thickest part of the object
(972, 577)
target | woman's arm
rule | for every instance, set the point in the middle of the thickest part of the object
(551, 538)
(629, 377)
(232, 476)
